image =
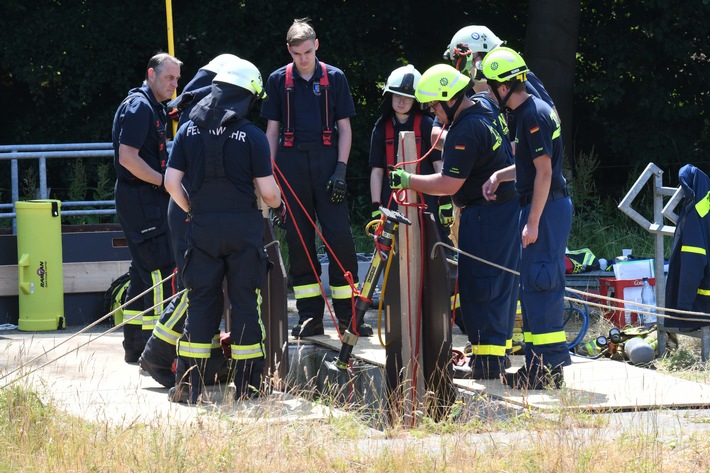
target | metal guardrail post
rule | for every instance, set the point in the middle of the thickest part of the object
(15, 189)
(660, 230)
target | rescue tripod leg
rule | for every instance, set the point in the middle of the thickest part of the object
(367, 289)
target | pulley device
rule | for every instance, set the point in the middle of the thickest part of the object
(383, 250)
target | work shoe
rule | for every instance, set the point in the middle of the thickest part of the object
(481, 367)
(546, 379)
(308, 327)
(365, 330)
(179, 393)
(248, 379)
(164, 376)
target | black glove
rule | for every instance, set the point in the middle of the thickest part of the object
(336, 185)
(278, 215)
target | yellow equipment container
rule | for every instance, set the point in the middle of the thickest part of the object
(41, 276)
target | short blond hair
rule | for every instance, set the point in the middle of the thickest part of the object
(300, 31)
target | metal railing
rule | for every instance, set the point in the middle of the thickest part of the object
(43, 152)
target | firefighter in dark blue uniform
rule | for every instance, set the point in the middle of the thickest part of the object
(545, 219)
(310, 136)
(401, 112)
(476, 146)
(140, 156)
(468, 47)
(222, 154)
(159, 354)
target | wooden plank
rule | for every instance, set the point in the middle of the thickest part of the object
(410, 265)
(593, 385)
(78, 277)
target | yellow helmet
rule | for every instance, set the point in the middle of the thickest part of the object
(503, 64)
(440, 82)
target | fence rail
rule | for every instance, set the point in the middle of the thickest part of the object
(43, 152)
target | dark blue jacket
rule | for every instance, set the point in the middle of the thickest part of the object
(688, 282)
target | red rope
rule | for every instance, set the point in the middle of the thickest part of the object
(346, 274)
(399, 197)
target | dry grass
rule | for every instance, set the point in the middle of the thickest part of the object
(36, 436)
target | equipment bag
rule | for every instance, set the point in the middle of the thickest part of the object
(115, 296)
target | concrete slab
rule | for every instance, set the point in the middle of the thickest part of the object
(85, 375)
(594, 385)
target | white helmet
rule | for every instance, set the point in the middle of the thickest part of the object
(468, 41)
(217, 63)
(244, 74)
(403, 81)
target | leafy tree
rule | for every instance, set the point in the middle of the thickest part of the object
(639, 83)
(641, 90)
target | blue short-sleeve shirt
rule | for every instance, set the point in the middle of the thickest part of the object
(307, 120)
(538, 133)
(475, 148)
(140, 123)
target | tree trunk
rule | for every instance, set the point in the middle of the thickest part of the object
(550, 52)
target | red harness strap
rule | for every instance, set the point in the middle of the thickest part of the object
(389, 138)
(324, 86)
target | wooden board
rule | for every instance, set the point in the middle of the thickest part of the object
(594, 385)
(78, 277)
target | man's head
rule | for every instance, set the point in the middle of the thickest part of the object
(442, 89)
(401, 85)
(162, 75)
(302, 45)
(469, 46)
(506, 73)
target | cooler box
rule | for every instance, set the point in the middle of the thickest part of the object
(621, 314)
(40, 271)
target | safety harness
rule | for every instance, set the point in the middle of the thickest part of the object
(324, 87)
(159, 126)
(389, 138)
(214, 162)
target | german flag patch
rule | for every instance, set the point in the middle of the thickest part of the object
(460, 147)
(534, 129)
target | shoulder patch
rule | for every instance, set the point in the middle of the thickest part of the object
(534, 129)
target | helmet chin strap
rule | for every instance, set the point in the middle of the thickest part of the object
(451, 111)
(504, 101)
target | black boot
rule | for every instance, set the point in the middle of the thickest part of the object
(157, 359)
(189, 377)
(343, 312)
(536, 378)
(217, 368)
(133, 343)
(481, 367)
(248, 379)
(310, 317)
(364, 330)
(308, 327)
